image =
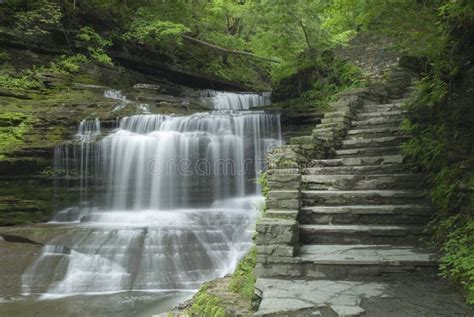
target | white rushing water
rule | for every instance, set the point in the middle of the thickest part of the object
(166, 202)
(233, 101)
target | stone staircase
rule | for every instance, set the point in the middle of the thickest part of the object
(364, 211)
(343, 205)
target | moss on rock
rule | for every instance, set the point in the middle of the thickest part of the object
(206, 304)
(243, 280)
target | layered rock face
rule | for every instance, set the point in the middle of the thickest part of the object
(34, 123)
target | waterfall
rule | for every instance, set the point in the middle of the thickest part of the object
(232, 101)
(166, 202)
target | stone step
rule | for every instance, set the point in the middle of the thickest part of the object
(357, 134)
(359, 161)
(340, 120)
(363, 214)
(399, 101)
(335, 114)
(353, 262)
(375, 142)
(377, 122)
(281, 214)
(357, 182)
(364, 115)
(382, 108)
(362, 170)
(362, 197)
(361, 234)
(371, 151)
(327, 126)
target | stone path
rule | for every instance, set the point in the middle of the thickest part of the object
(404, 297)
(349, 231)
(308, 298)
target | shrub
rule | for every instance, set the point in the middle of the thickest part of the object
(68, 64)
(96, 45)
(42, 16)
(457, 263)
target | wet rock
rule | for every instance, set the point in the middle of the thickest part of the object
(147, 87)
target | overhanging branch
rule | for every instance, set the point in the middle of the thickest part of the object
(225, 50)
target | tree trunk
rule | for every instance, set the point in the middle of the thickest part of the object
(305, 35)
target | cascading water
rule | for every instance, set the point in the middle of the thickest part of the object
(166, 202)
(232, 101)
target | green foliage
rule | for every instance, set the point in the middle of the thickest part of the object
(457, 262)
(100, 56)
(13, 127)
(39, 18)
(434, 128)
(149, 28)
(243, 280)
(263, 182)
(90, 36)
(68, 64)
(413, 25)
(241, 283)
(338, 76)
(95, 45)
(4, 57)
(428, 144)
(439, 124)
(10, 79)
(323, 77)
(206, 304)
(456, 13)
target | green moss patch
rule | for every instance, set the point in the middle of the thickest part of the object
(206, 304)
(13, 126)
(233, 293)
(243, 280)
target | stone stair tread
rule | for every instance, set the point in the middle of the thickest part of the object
(361, 125)
(379, 139)
(377, 114)
(387, 255)
(367, 151)
(408, 209)
(359, 169)
(360, 182)
(372, 130)
(281, 214)
(374, 142)
(368, 192)
(374, 229)
(400, 101)
(362, 197)
(311, 177)
(378, 121)
(391, 103)
(362, 160)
